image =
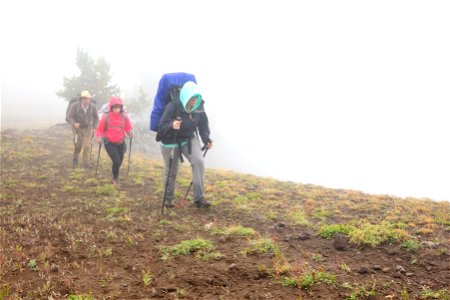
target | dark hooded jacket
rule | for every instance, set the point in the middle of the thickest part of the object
(197, 118)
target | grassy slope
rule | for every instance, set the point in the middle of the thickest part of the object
(59, 225)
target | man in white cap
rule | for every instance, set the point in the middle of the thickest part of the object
(83, 116)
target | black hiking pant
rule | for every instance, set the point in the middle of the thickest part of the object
(116, 153)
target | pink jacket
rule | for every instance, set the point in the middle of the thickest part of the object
(117, 126)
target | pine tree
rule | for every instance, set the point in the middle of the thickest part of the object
(94, 77)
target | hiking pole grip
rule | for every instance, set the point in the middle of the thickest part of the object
(205, 148)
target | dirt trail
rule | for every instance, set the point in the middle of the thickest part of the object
(64, 232)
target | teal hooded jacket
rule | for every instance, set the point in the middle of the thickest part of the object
(190, 121)
(190, 89)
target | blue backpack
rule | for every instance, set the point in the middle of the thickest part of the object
(169, 88)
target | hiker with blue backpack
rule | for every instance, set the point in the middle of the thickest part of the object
(111, 131)
(182, 124)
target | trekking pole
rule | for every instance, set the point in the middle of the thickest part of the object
(76, 136)
(190, 185)
(167, 180)
(90, 152)
(172, 152)
(98, 158)
(129, 156)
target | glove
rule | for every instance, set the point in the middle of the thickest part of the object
(101, 140)
(205, 144)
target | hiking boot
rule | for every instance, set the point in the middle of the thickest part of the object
(202, 203)
(168, 204)
(74, 163)
(115, 182)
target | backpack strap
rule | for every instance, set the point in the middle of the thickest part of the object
(107, 121)
(174, 93)
(123, 119)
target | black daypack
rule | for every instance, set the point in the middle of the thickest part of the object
(174, 94)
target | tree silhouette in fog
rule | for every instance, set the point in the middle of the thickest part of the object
(94, 76)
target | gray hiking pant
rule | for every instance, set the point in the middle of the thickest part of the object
(197, 164)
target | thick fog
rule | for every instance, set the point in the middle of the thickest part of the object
(343, 94)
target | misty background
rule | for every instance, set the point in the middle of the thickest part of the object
(342, 94)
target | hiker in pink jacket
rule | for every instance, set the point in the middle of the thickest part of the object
(111, 130)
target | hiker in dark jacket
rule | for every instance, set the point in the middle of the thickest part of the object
(177, 133)
(83, 116)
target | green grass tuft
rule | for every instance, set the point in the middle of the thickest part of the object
(307, 280)
(106, 190)
(201, 247)
(114, 211)
(80, 297)
(440, 295)
(411, 245)
(375, 234)
(239, 231)
(263, 245)
(329, 231)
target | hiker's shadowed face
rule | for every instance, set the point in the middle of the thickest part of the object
(85, 101)
(116, 109)
(191, 103)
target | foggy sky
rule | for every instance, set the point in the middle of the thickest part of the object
(343, 94)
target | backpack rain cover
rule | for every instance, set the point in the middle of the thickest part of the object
(166, 83)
